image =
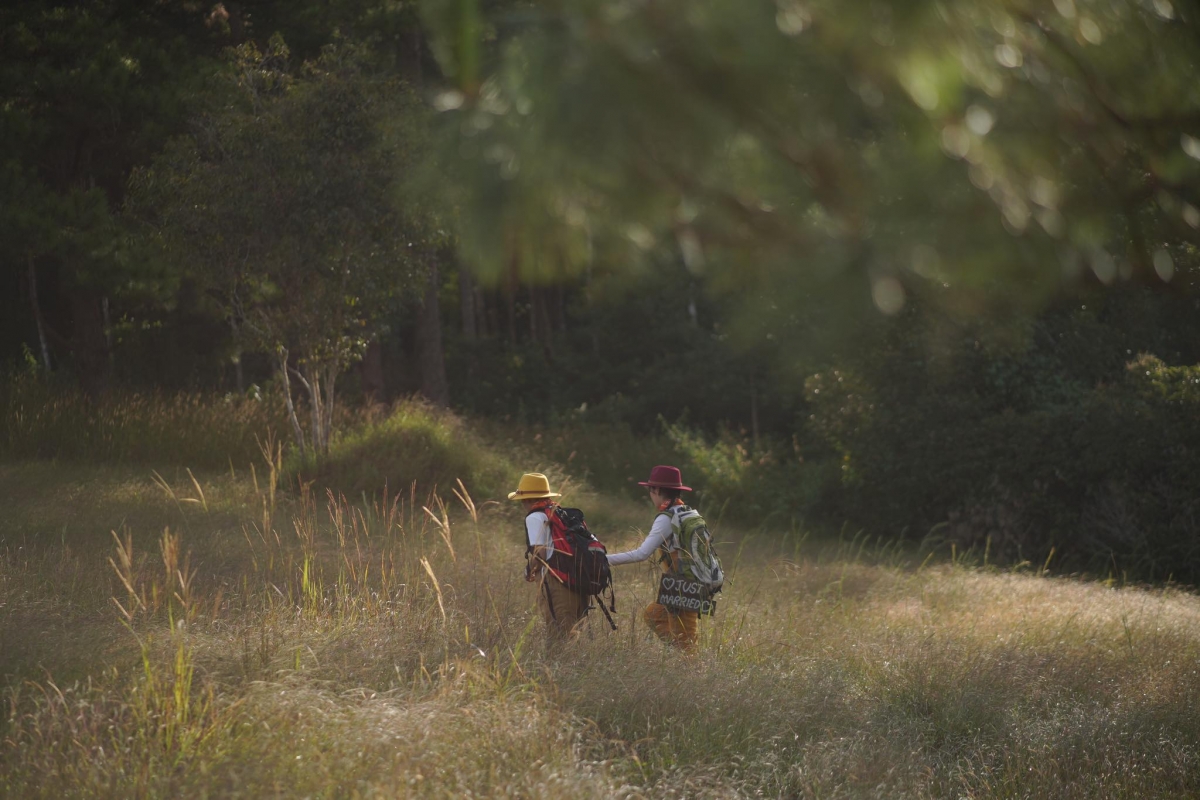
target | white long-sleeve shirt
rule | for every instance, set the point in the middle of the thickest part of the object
(660, 532)
(537, 530)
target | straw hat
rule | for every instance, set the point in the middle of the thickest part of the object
(664, 477)
(533, 486)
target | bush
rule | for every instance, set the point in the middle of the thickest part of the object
(412, 443)
(757, 484)
(1018, 455)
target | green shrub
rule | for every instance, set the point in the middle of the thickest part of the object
(412, 443)
(757, 484)
(1008, 454)
(606, 455)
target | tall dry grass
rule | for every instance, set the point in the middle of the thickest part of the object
(41, 420)
(314, 646)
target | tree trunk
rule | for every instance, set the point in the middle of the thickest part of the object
(539, 321)
(534, 326)
(108, 340)
(510, 307)
(472, 317)
(483, 327)
(430, 355)
(372, 372)
(297, 431)
(559, 309)
(239, 373)
(319, 381)
(331, 374)
(43, 345)
(754, 412)
(313, 386)
(89, 343)
(491, 310)
(587, 302)
(466, 295)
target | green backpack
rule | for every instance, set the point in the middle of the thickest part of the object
(692, 540)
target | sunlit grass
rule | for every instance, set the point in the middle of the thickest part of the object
(235, 639)
(40, 420)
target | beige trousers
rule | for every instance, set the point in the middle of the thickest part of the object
(679, 628)
(563, 609)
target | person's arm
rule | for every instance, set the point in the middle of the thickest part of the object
(660, 531)
(537, 533)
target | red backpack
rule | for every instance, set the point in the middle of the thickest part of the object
(579, 559)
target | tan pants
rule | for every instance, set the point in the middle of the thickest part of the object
(679, 628)
(568, 607)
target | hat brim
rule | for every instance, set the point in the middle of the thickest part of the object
(519, 495)
(680, 487)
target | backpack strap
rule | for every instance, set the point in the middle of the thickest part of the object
(670, 544)
(562, 547)
(606, 614)
(672, 512)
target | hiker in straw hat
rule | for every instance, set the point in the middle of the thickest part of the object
(561, 607)
(674, 626)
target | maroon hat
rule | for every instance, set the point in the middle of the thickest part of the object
(665, 477)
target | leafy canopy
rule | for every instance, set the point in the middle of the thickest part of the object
(863, 153)
(286, 203)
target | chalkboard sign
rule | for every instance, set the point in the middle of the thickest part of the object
(682, 594)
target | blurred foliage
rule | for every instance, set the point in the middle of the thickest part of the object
(813, 160)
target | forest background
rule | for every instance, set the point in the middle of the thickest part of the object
(918, 269)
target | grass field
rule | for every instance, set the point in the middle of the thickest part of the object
(177, 634)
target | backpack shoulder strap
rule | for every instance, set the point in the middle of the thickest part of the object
(672, 513)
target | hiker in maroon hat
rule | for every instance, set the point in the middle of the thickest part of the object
(673, 523)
